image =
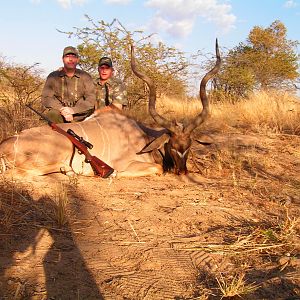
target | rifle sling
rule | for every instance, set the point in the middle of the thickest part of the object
(99, 167)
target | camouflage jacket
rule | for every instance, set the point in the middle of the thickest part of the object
(77, 92)
(116, 93)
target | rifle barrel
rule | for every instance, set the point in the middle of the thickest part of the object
(99, 167)
(40, 114)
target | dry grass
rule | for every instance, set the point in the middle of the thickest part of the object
(171, 108)
(17, 208)
(61, 201)
(237, 286)
(262, 112)
(13, 205)
(274, 240)
(278, 242)
(249, 173)
(280, 237)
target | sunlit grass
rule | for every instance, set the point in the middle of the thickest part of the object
(262, 112)
(237, 286)
(61, 200)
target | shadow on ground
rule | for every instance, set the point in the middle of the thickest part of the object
(24, 222)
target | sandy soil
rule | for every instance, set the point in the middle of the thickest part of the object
(160, 237)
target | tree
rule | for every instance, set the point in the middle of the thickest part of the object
(167, 66)
(267, 60)
(19, 85)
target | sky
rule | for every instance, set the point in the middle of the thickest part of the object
(29, 28)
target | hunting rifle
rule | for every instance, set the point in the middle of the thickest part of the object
(99, 167)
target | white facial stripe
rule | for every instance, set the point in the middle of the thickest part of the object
(181, 155)
(185, 152)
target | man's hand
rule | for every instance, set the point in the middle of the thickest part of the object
(67, 113)
(69, 118)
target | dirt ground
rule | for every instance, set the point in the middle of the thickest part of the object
(162, 237)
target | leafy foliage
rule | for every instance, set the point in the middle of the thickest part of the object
(166, 65)
(19, 85)
(267, 60)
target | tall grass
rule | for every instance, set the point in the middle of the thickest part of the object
(60, 209)
(262, 112)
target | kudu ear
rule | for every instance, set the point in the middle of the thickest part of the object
(156, 143)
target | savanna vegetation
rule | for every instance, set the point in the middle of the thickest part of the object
(235, 234)
(267, 62)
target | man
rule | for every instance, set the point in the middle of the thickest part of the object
(69, 93)
(109, 90)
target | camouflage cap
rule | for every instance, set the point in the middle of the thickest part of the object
(105, 61)
(70, 50)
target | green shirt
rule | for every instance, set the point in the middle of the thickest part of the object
(77, 92)
(116, 93)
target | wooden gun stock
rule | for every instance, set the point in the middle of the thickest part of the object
(99, 167)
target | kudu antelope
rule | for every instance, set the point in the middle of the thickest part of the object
(129, 147)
